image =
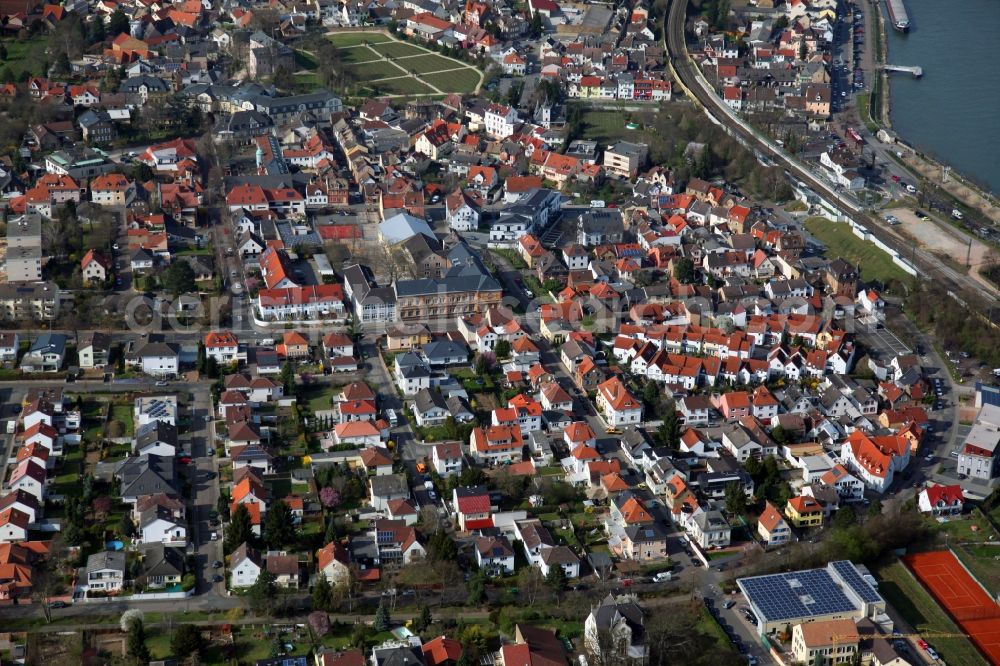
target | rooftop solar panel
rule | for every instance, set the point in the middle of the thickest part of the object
(798, 594)
(849, 573)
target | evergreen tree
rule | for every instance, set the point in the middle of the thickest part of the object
(239, 529)
(279, 531)
(322, 594)
(477, 589)
(136, 644)
(736, 499)
(263, 593)
(186, 641)
(118, 23)
(97, 31)
(382, 618)
(556, 579)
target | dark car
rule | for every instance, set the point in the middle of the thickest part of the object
(217, 564)
(58, 604)
(217, 578)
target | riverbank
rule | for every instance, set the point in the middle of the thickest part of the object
(878, 115)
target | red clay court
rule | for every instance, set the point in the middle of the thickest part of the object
(965, 600)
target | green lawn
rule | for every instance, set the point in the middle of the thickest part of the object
(969, 528)
(123, 413)
(319, 397)
(27, 55)
(379, 69)
(342, 39)
(398, 49)
(305, 60)
(919, 609)
(358, 55)
(982, 562)
(460, 81)
(428, 63)
(708, 625)
(306, 80)
(840, 241)
(403, 86)
(609, 126)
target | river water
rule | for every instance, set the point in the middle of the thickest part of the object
(953, 112)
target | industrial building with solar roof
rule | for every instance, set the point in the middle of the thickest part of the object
(838, 591)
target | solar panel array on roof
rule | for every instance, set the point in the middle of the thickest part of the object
(798, 594)
(849, 574)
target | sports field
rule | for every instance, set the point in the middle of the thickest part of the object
(965, 599)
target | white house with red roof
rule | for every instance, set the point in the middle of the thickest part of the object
(472, 508)
(37, 452)
(772, 527)
(619, 406)
(13, 526)
(334, 562)
(513, 64)
(224, 347)
(579, 433)
(942, 501)
(497, 444)
(360, 433)
(875, 460)
(24, 502)
(849, 487)
(42, 434)
(29, 476)
(555, 398)
(95, 267)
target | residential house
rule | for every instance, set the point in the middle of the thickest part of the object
(709, 529)
(382, 489)
(494, 555)
(93, 350)
(772, 527)
(942, 501)
(245, 566)
(616, 629)
(804, 511)
(45, 354)
(105, 572)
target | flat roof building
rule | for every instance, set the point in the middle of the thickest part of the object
(835, 592)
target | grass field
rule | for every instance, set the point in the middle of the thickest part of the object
(358, 55)
(841, 241)
(919, 609)
(609, 126)
(398, 49)
(376, 70)
(305, 60)
(981, 561)
(342, 39)
(123, 413)
(367, 66)
(427, 63)
(460, 81)
(404, 86)
(27, 55)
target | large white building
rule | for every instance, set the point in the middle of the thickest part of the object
(500, 120)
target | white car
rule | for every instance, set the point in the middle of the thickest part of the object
(663, 577)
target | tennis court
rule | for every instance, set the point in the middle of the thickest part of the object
(965, 599)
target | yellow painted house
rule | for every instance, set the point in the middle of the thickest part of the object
(804, 511)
